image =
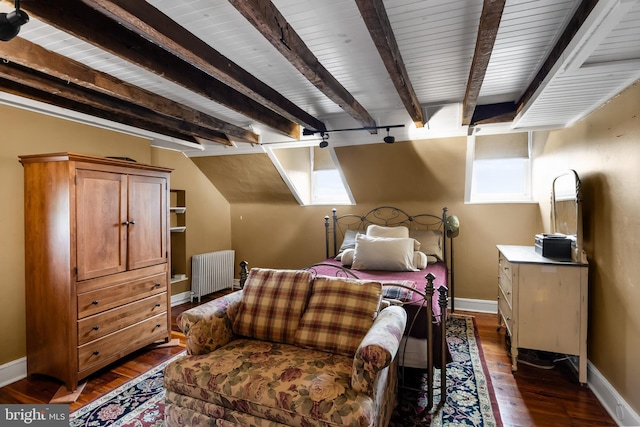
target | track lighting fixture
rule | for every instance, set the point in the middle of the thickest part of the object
(11, 22)
(324, 143)
(389, 139)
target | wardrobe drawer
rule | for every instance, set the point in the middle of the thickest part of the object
(505, 287)
(99, 325)
(113, 296)
(120, 342)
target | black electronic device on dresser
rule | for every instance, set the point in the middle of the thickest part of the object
(556, 246)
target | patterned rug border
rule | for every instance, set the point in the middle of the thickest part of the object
(487, 374)
(486, 394)
(83, 415)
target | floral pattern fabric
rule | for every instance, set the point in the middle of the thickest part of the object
(209, 326)
(377, 349)
(252, 382)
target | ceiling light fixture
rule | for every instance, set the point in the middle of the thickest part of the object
(324, 143)
(389, 139)
(11, 22)
(308, 132)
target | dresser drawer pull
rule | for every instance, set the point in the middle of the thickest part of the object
(157, 285)
(94, 302)
(95, 353)
(95, 328)
(158, 325)
(158, 305)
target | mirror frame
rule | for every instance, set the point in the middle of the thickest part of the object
(577, 252)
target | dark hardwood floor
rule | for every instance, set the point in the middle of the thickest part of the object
(530, 397)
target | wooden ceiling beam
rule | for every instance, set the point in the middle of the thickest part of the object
(35, 57)
(266, 18)
(487, 32)
(54, 90)
(377, 21)
(78, 19)
(144, 19)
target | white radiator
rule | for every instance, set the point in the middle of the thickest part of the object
(211, 272)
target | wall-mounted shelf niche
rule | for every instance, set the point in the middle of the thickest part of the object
(178, 228)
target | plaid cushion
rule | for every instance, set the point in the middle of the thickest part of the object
(396, 292)
(339, 314)
(272, 304)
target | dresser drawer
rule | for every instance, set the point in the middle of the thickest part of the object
(99, 325)
(505, 311)
(109, 297)
(119, 342)
(505, 274)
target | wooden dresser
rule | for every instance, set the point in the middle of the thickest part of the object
(96, 261)
(543, 303)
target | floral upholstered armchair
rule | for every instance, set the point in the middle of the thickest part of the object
(288, 350)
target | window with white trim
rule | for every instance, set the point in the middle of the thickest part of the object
(327, 182)
(498, 168)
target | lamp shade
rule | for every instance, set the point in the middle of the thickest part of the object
(452, 226)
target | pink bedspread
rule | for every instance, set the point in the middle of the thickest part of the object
(439, 269)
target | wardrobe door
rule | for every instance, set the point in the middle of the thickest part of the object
(147, 217)
(101, 215)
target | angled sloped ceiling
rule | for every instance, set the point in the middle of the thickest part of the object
(249, 178)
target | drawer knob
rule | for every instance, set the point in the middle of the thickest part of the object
(158, 305)
(94, 302)
(95, 353)
(158, 325)
(132, 223)
(157, 285)
(95, 328)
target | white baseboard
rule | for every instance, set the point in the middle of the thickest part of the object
(13, 371)
(615, 405)
(180, 298)
(477, 305)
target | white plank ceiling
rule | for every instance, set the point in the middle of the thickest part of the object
(436, 39)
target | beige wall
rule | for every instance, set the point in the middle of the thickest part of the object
(25, 132)
(419, 177)
(207, 215)
(604, 149)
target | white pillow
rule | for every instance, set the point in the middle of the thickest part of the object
(381, 231)
(419, 260)
(383, 253)
(430, 241)
(347, 257)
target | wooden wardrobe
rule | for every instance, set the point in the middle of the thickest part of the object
(97, 257)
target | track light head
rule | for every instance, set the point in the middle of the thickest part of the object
(324, 143)
(389, 139)
(11, 22)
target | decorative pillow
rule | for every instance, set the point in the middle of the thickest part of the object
(420, 260)
(272, 304)
(382, 253)
(430, 241)
(339, 314)
(400, 293)
(431, 259)
(349, 240)
(382, 231)
(347, 257)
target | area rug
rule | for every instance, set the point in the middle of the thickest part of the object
(470, 400)
(138, 402)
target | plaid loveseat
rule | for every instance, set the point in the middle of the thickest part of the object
(289, 349)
